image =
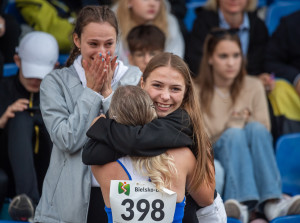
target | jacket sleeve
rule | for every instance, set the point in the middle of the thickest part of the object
(257, 45)
(66, 120)
(151, 139)
(278, 51)
(194, 49)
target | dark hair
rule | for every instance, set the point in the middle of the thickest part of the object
(146, 37)
(205, 79)
(88, 14)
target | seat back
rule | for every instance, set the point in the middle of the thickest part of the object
(190, 13)
(10, 69)
(287, 219)
(288, 161)
(233, 220)
(277, 10)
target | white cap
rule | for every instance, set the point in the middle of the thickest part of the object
(38, 52)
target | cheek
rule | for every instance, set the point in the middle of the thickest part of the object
(152, 92)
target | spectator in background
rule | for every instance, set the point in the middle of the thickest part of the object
(283, 51)
(229, 14)
(236, 116)
(178, 8)
(9, 37)
(132, 13)
(144, 42)
(283, 59)
(21, 122)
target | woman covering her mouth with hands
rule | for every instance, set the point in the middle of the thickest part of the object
(70, 99)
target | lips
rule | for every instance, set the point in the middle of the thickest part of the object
(163, 107)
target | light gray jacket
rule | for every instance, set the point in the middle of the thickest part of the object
(68, 110)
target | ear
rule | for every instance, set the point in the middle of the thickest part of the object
(76, 40)
(142, 83)
(17, 60)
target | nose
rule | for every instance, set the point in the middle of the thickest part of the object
(102, 51)
(230, 61)
(165, 95)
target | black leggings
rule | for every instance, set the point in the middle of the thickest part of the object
(96, 213)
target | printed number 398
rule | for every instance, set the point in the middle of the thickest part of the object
(157, 206)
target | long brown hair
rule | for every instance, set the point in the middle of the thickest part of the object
(88, 14)
(131, 105)
(204, 155)
(205, 79)
(124, 15)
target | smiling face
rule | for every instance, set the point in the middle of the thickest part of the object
(96, 38)
(166, 87)
(144, 10)
(226, 61)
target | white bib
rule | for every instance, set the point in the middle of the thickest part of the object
(140, 201)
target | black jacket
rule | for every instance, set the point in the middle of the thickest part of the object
(110, 140)
(283, 50)
(206, 20)
(11, 90)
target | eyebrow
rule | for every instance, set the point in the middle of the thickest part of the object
(173, 85)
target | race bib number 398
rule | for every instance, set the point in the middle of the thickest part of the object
(140, 201)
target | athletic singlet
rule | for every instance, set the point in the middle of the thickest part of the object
(132, 174)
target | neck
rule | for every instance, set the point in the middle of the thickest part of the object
(222, 83)
(234, 20)
(138, 21)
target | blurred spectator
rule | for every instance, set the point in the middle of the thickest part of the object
(178, 8)
(236, 116)
(51, 16)
(144, 42)
(21, 124)
(283, 59)
(9, 37)
(132, 13)
(229, 14)
(76, 5)
(283, 51)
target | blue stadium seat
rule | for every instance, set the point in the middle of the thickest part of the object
(229, 220)
(261, 3)
(190, 14)
(8, 221)
(10, 69)
(277, 10)
(287, 158)
(287, 219)
(62, 59)
(12, 10)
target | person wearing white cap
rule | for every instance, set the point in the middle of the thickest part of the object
(21, 125)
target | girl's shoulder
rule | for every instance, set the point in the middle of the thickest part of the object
(252, 83)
